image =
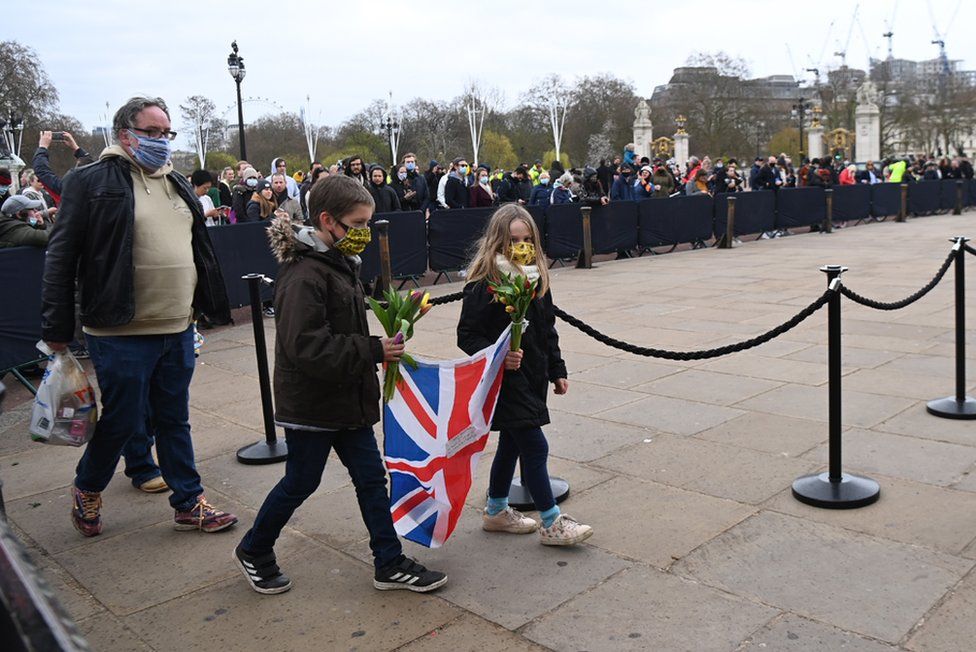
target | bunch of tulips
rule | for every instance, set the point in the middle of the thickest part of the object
(515, 292)
(397, 317)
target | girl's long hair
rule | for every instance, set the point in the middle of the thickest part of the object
(496, 240)
(268, 206)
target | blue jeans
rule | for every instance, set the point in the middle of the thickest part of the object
(140, 466)
(531, 446)
(307, 455)
(143, 378)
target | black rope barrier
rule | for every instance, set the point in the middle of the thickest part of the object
(696, 355)
(447, 298)
(907, 301)
(970, 249)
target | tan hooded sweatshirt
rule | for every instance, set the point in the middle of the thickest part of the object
(164, 275)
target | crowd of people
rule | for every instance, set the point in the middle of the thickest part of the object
(245, 193)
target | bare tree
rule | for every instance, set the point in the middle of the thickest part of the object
(200, 114)
(25, 89)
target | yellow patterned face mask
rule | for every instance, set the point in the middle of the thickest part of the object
(522, 253)
(355, 240)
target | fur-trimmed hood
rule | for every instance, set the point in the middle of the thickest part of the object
(290, 241)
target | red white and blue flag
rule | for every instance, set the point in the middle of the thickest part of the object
(435, 428)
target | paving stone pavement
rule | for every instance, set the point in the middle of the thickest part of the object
(683, 468)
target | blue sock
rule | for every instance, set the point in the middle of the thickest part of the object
(549, 516)
(496, 505)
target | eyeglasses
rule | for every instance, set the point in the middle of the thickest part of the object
(156, 133)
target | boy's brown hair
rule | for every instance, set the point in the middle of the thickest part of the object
(336, 195)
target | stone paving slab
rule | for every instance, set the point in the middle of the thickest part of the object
(772, 433)
(859, 408)
(651, 522)
(708, 387)
(951, 625)
(645, 609)
(469, 633)
(918, 423)
(670, 414)
(930, 462)
(854, 582)
(719, 470)
(331, 607)
(904, 514)
(485, 566)
(798, 634)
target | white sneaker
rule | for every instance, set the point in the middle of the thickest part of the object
(508, 520)
(565, 531)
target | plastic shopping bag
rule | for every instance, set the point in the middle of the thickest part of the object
(64, 409)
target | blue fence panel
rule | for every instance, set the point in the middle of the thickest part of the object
(614, 227)
(451, 234)
(408, 246)
(20, 296)
(540, 217)
(564, 231)
(243, 249)
(755, 212)
(852, 202)
(923, 197)
(799, 207)
(885, 199)
(947, 194)
(671, 221)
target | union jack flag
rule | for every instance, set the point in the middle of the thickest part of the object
(435, 428)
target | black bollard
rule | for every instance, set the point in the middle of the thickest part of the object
(520, 498)
(386, 269)
(835, 489)
(828, 225)
(270, 450)
(585, 260)
(959, 406)
(727, 240)
(903, 207)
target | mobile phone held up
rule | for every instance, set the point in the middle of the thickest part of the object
(57, 135)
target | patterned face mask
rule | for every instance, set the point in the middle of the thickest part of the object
(355, 240)
(522, 253)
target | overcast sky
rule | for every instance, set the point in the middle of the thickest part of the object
(345, 54)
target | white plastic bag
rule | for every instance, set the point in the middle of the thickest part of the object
(64, 409)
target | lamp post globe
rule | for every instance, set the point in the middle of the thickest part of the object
(235, 66)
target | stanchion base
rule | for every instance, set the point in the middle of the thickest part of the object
(851, 492)
(950, 408)
(520, 498)
(263, 453)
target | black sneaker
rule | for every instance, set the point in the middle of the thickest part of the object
(408, 574)
(262, 572)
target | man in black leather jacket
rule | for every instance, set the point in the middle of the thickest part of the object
(132, 232)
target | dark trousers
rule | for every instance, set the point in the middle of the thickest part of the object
(143, 378)
(307, 454)
(529, 445)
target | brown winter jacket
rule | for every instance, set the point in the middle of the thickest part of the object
(325, 360)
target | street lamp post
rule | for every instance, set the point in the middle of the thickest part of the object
(760, 130)
(799, 112)
(235, 66)
(392, 128)
(13, 132)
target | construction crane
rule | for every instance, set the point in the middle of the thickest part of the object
(889, 24)
(842, 53)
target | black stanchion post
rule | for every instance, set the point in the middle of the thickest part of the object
(386, 269)
(903, 208)
(959, 406)
(520, 498)
(835, 489)
(270, 450)
(729, 237)
(828, 225)
(586, 255)
(958, 208)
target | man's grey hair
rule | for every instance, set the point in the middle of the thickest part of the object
(125, 117)
(279, 174)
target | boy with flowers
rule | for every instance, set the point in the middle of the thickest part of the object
(325, 386)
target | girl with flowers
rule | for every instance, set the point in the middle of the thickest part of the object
(510, 246)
